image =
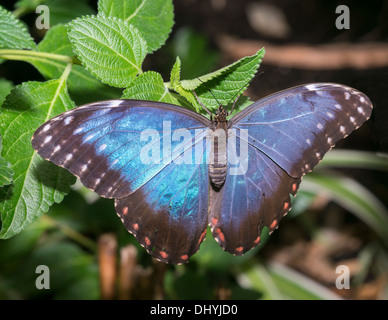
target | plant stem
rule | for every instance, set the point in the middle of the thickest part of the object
(28, 55)
(71, 233)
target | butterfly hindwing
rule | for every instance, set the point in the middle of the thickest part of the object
(169, 214)
(248, 201)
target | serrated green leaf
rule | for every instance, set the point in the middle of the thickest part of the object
(221, 86)
(175, 76)
(153, 18)
(6, 172)
(37, 183)
(13, 33)
(241, 70)
(175, 85)
(82, 85)
(111, 49)
(149, 86)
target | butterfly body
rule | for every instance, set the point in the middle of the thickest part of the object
(173, 172)
(218, 166)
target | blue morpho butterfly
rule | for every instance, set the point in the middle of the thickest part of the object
(173, 172)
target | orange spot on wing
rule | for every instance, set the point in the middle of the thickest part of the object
(202, 237)
(286, 205)
(163, 254)
(273, 224)
(294, 186)
(257, 240)
(135, 226)
(239, 249)
(220, 234)
(184, 257)
(147, 241)
(125, 211)
(214, 221)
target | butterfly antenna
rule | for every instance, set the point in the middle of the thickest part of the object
(202, 105)
(209, 91)
(237, 95)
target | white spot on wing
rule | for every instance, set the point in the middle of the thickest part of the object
(311, 87)
(320, 126)
(102, 147)
(47, 140)
(69, 156)
(89, 137)
(46, 127)
(68, 120)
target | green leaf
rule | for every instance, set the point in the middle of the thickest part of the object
(352, 196)
(6, 172)
(111, 49)
(221, 86)
(153, 18)
(5, 88)
(277, 281)
(82, 85)
(13, 33)
(257, 277)
(37, 183)
(63, 11)
(354, 159)
(175, 85)
(149, 86)
(297, 286)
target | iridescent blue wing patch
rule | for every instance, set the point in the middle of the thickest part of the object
(168, 215)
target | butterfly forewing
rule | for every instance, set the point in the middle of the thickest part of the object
(103, 143)
(297, 126)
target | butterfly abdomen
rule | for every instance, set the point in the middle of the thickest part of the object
(218, 162)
